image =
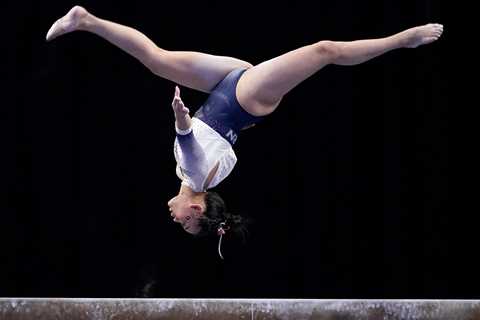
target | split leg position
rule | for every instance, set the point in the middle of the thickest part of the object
(195, 70)
(261, 87)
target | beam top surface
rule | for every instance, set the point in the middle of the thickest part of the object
(226, 309)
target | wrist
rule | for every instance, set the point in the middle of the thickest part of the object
(181, 130)
(183, 123)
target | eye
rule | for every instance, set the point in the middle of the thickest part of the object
(187, 218)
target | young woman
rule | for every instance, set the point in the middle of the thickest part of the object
(241, 95)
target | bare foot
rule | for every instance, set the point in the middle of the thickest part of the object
(421, 35)
(68, 23)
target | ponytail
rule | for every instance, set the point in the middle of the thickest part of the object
(217, 221)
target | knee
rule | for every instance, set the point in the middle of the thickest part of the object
(328, 49)
(153, 57)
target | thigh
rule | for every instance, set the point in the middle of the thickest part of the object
(195, 70)
(262, 87)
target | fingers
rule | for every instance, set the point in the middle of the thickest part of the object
(176, 97)
(181, 107)
(177, 102)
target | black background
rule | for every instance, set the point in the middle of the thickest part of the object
(347, 180)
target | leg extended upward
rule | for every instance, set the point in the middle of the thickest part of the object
(262, 87)
(195, 70)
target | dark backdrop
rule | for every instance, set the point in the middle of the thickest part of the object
(346, 181)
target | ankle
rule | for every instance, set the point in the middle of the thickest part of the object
(399, 40)
(87, 22)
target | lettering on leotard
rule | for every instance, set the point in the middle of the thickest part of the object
(232, 136)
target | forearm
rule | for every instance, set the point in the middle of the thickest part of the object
(193, 161)
(183, 122)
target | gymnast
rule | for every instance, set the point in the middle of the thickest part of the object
(240, 96)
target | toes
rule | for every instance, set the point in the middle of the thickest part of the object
(438, 27)
(436, 30)
(51, 32)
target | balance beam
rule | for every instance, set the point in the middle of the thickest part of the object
(229, 309)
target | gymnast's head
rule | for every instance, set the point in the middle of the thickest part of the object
(204, 214)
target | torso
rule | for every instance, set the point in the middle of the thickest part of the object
(219, 157)
(211, 175)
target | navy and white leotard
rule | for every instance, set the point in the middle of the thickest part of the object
(215, 129)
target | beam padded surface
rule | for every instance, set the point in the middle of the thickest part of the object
(229, 309)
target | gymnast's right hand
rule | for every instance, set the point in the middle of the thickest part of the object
(178, 106)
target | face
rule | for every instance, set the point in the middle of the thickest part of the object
(184, 212)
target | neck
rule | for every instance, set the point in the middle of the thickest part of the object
(187, 191)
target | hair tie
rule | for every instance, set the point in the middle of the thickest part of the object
(221, 231)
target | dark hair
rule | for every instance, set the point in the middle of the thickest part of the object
(216, 213)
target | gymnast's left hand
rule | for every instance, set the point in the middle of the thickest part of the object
(178, 106)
